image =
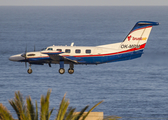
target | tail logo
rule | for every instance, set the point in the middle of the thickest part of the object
(135, 38)
(129, 38)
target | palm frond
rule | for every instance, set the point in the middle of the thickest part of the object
(50, 112)
(36, 114)
(42, 112)
(45, 113)
(15, 104)
(15, 108)
(62, 109)
(81, 113)
(18, 105)
(4, 113)
(30, 108)
(92, 109)
(18, 101)
(70, 114)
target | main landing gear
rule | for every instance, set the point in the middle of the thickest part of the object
(62, 70)
(71, 70)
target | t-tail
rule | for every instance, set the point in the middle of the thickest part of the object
(138, 36)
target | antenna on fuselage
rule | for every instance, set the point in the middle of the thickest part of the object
(34, 48)
(72, 44)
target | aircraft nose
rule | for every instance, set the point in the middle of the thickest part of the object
(16, 58)
(11, 58)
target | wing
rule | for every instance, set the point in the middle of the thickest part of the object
(56, 56)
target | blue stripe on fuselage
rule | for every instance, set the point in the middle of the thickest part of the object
(110, 58)
(96, 59)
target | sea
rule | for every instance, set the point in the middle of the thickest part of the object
(134, 90)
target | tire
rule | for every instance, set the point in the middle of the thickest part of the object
(61, 70)
(70, 71)
(29, 71)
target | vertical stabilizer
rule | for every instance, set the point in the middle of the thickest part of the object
(138, 36)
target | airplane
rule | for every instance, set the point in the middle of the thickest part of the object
(132, 47)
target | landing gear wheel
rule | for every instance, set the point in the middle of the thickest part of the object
(61, 70)
(29, 70)
(70, 70)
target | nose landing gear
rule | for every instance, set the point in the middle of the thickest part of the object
(29, 70)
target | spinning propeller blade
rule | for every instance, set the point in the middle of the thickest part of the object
(25, 56)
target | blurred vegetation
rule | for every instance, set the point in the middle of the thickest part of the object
(26, 110)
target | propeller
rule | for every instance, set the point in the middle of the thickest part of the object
(25, 56)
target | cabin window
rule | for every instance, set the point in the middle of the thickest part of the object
(88, 51)
(67, 51)
(77, 51)
(50, 49)
(31, 55)
(59, 50)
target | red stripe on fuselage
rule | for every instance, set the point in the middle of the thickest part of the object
(130, 50)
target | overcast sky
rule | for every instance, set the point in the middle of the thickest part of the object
(83, 2)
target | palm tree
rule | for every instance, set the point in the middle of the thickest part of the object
(27, 111)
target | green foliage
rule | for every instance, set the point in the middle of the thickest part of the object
(30, 109)
(91, 109)
(19, 107)
(69, 115)
(26, 110)
(64, 114)
(62, 109)
(45, 112)
(4, 113)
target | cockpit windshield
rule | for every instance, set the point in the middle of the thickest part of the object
(23, 55)
(43, 49)
(50, 49)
